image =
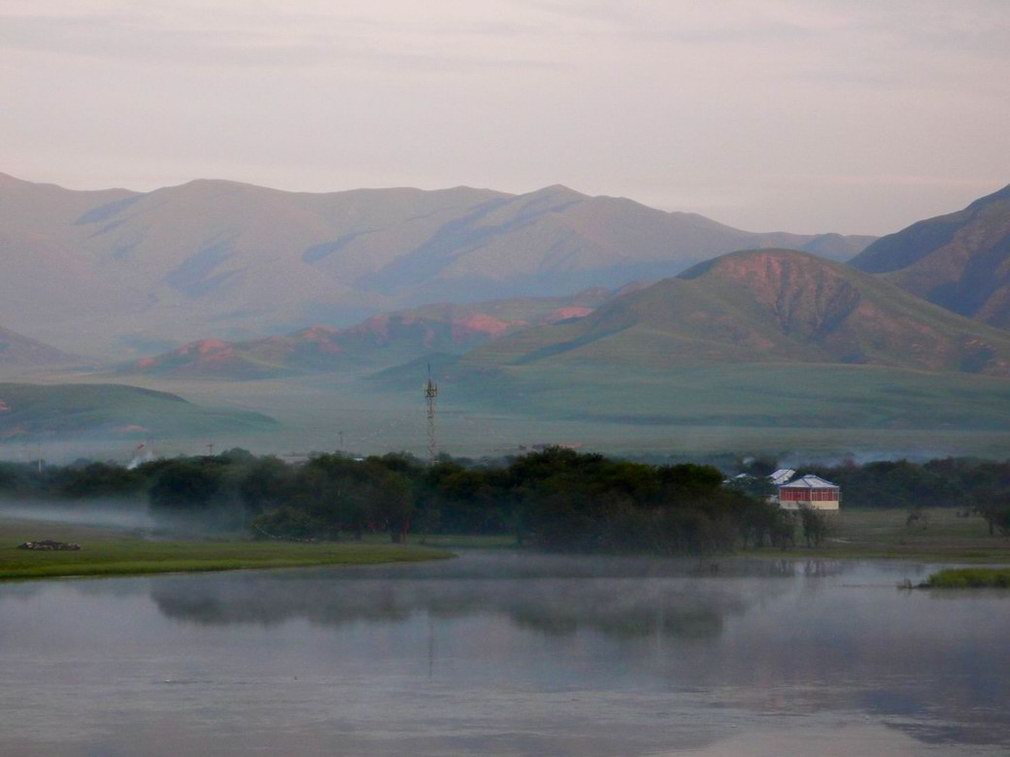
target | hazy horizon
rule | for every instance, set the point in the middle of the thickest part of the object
(807, 117)
(711, 216)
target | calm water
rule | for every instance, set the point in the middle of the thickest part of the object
(507, 654)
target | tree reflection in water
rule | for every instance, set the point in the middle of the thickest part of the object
(619, 597)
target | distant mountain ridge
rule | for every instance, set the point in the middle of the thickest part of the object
(116, 270)
(378, 342)
(763, 306)
(66, 411)
(19, 351)
(960, 261)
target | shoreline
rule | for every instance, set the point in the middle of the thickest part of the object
(107, 553)
(112, 551)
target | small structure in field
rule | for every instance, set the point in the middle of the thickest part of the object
(809, 491)
(48, 545)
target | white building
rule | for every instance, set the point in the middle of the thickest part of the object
(809, 491)
(782, 476)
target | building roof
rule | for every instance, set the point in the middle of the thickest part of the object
(809, 482)
(781, 476)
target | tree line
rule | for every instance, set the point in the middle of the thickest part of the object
(553, 499)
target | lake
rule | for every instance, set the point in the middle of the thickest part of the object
(512, 654)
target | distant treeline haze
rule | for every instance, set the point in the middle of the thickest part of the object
(555, 499)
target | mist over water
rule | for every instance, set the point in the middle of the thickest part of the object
(508, 654)
(115, 514)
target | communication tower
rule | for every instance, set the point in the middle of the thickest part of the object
(430, 394)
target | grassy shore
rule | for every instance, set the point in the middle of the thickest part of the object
(883, 534)
(969, 578)
(854, 534)
(109, 553)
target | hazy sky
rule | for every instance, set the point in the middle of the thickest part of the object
(772, 114)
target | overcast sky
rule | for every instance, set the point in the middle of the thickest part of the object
(773, 114)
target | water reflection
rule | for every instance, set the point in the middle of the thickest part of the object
(502, 653)
(622, 598)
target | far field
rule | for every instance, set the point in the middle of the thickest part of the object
(854, 534)
(108, 552)
(946, 537)
(817, 413)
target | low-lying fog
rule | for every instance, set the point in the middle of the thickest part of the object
(96, 513)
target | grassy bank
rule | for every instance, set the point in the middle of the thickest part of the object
(109, 553)
(969, 578)
(853, 534)
(883, 534)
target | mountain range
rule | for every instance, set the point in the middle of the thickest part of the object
(758, 306)
(774, 339)
(960, 261)
(116, 272)
(378, 342)
(18, 351)
(911, 334)
(763, 306)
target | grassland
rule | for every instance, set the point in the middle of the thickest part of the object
(854, 534)
(109, 553)
(766, 408)
(883, 534)
(768, 396)
(468, 541)
(969, 578)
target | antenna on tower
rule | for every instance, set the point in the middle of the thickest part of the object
(430, 394)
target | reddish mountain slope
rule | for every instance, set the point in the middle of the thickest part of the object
(764, 306)
(959, 261)
(377, 342)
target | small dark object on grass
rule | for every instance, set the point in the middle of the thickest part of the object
(48, 545)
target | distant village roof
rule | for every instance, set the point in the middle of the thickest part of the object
(809, 482)
(781, 476)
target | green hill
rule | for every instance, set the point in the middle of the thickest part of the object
(766, 338)
(960, 261)
(112, 410)
(763, 306)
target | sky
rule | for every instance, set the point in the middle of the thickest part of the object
(855, 116)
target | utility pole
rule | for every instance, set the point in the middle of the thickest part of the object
(210, 449)
(430, 394)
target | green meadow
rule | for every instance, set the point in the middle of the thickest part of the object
(109, 553)
(942, 536)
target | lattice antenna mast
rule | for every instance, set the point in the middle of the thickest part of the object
(430, 395)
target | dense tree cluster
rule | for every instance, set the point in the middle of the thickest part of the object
(947, 482)
(555, 499)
